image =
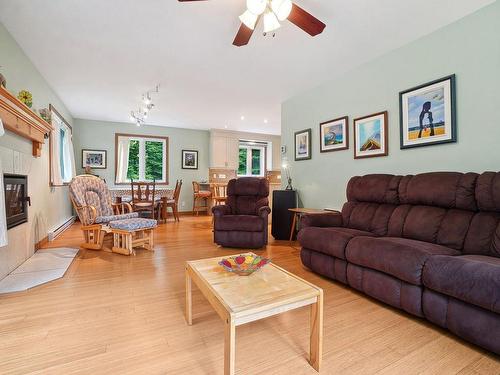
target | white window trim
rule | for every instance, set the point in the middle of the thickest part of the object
(249, 147)
(142, 139)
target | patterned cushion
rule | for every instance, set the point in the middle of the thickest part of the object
(107, 219)
(87, 190)
(133, 224)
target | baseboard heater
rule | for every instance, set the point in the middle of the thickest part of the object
(52, 235)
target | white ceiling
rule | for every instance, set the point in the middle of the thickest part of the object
(100, 56)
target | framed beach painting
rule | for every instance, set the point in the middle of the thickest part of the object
(95, 159)
(427, 114)
(334, 135)
(189, 159)
(371, 136)
(303, 144)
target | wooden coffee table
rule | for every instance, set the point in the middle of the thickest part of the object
(244, 299)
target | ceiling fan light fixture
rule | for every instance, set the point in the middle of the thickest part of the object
(271, 22)
(281, 8)
(257, 7)
(249, 19)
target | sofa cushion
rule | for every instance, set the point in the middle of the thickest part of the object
(439, 189)
(374, 188)
(243, 223)
(488, 191)
(483, 236)
(399, 257)
(330, 241)
(470, 278)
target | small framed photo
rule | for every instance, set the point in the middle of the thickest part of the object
(371, 136)
(95, 159)
(334, 135)
(189, 159)
(303, 144)
(427, 114)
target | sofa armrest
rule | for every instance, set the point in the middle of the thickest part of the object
(264, 211)
(221, 210)
(328, 219)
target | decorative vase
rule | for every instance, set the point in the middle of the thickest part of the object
(44, 114)
(25, 97)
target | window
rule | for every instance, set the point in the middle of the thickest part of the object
(62, 159)
(252, 159)
(141, 158)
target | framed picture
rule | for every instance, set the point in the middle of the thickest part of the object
(303, 145)
(189, 159)
(334, 135)
(371, 136)
(427, 114)
(95, 159)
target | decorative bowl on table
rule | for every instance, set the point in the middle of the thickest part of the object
(244, 265)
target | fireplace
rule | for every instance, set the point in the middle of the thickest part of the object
(16, 199)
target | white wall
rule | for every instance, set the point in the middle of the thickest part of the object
(470, 48)
(50, 206)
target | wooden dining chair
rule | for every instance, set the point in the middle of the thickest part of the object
(200, 198)
(219, 195)
(174, 202)
(143, 197)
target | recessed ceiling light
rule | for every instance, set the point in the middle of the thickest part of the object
(242, 118)
(265, 121)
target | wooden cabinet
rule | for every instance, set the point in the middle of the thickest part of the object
(281, 217)
(223, 152)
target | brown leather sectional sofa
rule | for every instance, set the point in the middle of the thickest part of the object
(428, 244)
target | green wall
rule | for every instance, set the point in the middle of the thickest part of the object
(50, 207)
(470, 48)
(100, 135)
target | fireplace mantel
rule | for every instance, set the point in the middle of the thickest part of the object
(20, 119)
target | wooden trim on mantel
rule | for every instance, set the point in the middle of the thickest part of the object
(20, 119)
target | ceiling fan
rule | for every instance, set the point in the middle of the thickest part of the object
(273, 11)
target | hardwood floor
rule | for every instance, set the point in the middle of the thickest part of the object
(114, 314)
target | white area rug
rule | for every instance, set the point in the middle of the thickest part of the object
(42, 267)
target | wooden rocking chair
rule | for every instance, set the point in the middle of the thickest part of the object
(92, 201)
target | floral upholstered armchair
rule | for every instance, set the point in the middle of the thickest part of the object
(92, 201)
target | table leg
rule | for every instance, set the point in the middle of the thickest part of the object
(316, 339)
(189, 300)
(229, 347)
(292, 230)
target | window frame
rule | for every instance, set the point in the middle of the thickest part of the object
(145, 137)
(51, 157)
(251, 145)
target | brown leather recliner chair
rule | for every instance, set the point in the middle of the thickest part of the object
(242, 221)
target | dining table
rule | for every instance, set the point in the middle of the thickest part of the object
(119, 195)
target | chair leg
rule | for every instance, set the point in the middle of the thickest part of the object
(174, 211)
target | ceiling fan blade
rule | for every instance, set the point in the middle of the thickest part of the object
(243, 36)
(306, 21)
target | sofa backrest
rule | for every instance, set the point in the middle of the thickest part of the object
(483, 236)
(371, 202)
(246, 195)
(435, 207)
(457, 210)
